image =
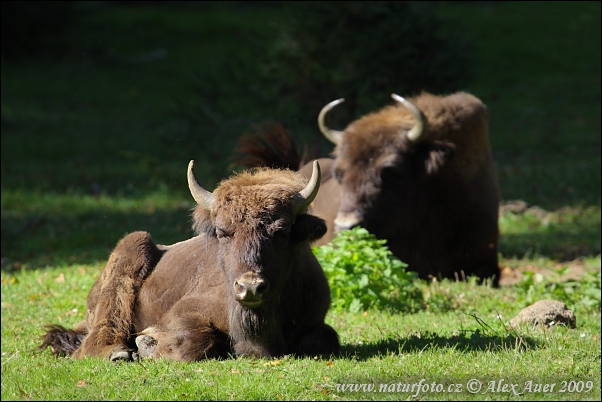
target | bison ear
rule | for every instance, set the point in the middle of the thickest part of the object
(201, 221)
(434, 155)
(308, 228)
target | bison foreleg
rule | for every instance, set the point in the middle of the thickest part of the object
(256, 349)
(186, 336)
(320, 340)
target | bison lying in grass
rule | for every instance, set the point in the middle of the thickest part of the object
(247, 284)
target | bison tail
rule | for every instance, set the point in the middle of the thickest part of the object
(271, 145)
(62, 341)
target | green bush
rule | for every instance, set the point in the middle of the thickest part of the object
(363, 274)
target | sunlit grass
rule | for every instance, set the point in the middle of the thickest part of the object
(472, 340)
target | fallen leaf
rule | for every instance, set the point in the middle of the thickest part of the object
(82, 383)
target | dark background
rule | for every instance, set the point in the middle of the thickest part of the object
(104, 104)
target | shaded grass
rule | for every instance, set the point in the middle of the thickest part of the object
(558, 235)
(51, 229)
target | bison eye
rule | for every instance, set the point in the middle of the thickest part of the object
(222, 234)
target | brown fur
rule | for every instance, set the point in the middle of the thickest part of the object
(271, 145)
(435, 202)
(181, 296)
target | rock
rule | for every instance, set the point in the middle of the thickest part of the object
(514, 206)
(545, 312)
(520, 207)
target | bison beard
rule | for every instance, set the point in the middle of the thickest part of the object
(256, 332)
(183, 302)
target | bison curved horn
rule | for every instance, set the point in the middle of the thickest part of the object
(203, 197)
(333, 136)
(420, 129)
(307, 195)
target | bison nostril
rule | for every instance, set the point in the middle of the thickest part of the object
(261, 288)
(239, 288)
(347, 220)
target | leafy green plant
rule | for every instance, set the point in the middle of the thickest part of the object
(363, 274)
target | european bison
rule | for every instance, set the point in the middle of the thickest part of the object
(419, 174)
(247, 284)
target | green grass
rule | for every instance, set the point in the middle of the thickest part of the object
(472, 340)
(94, 148)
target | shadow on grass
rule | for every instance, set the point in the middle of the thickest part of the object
(564, 235)
(465, 342)
(48, 240)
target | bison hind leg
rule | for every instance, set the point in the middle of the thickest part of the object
(183, 344)
(62, 341)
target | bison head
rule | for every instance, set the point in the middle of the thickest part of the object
(260, 224)
(381, 161)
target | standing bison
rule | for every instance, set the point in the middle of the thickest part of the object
(247, 284)
(419, 174)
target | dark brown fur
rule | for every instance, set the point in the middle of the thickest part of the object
(271, 145)
(435, 202)
(181, 296)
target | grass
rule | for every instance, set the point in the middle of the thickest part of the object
(472, 340)
(94, 147)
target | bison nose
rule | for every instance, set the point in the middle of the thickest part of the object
(250, 290)
(346, 220)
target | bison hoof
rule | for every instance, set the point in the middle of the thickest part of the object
(120, 353)
(146, 346)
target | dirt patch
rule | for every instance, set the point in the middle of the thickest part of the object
(577, 269)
